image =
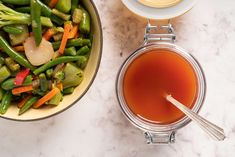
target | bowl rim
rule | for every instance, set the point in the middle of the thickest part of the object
(87, 88)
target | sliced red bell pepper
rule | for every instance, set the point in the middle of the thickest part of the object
(20, 77)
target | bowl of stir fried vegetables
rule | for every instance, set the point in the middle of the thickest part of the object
(50, 52)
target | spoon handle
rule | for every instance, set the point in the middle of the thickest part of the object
(211, 129)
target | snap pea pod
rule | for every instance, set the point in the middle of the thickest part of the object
(14, 55)
(6, 101)
(12, 29)
(28, 104)
(85, 24)
(17, 2)
(43, 82)
(73, 42)
(23, 9)
(83, 50)
(9, 84)
(56, 61)
(36, 22)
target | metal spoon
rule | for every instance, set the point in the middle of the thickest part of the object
(211, 129)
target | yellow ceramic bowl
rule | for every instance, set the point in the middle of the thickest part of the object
(89, 75)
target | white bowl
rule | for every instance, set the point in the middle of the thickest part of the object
(159, 13)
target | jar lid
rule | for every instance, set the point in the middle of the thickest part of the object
(151, 11)
(160, 3)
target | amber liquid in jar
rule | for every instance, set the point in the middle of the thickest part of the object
(153, 75)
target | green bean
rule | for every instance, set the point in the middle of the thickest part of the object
(12, 29)
(71, 51)
(82, 62)
(6, 101)
(62, 15)
(74, 4)
(28, 104)
(77, 15)
(9, 84)
(43, 82)
(11, 64)
(49, 73)
(56, 61)
(46, 11)
(23, 9)
(36, 22)
(73, 42)
(57, 20)
(1, 93)
(69, 90)
(83, 50)
(17, 2)
(4, 73)
(64, 5)
(85, 24)
(14, 55)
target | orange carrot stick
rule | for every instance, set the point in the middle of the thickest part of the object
(67, 27)
(73, 32)
(53, 3)
(22, 89)
(19, 48)
(49, 33)
(23, 101)
(46, 98)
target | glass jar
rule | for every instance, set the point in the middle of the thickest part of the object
(160, 133)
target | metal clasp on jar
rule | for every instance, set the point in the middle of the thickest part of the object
(160, 138)
(154, 33)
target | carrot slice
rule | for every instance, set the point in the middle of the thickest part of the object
(74, 31)
(19, 48)
(53, 3)
(67, 27)
(49, 33)
(22, 89)
(46, 98)
(60, 86)
(23, 101)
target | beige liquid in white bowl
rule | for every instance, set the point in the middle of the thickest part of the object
(159, 3)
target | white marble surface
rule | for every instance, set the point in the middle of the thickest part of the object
(95, 126)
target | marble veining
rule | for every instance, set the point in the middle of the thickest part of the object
(95, 127)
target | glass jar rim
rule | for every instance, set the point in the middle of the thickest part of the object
(151, 127)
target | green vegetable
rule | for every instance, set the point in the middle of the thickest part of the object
(77, 15)
(73, 42)
(74, 4)
(1, 61)
(57, 20)
(9, 16)
(83, 50)
(36, 22)
(63, 16)
(1, 93)
(82, 62)
(23, 9)
(6, 101)
(73, 76)
(46, 11)
(59, 76)
(56, 99)
(70, 51)
(14, 55)
(9, 83)
(49, 73)
(12, 29)
(4, 73)
(64, 5)
(11, 64)
(17, 39)
(56, 61)
(69, 90)
(43, 82)
(17, 2)
(28, 104)
(85, 24)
